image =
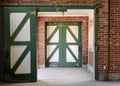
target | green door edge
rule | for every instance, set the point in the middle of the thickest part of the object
(96, 43)
(51, 7)
(79, 24)
(8, 75)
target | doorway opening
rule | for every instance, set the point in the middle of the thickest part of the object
(19, 20)
(87, 61)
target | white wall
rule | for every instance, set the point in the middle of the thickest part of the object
(91, 41)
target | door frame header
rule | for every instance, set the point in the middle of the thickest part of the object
(54, 7)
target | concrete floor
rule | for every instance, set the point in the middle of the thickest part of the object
(64, 77)
(64, 74)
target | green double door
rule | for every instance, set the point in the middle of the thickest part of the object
(63, 44)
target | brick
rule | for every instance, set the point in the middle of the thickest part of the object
(114, 21)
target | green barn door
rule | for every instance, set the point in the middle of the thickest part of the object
(20, 44)
(63, 44)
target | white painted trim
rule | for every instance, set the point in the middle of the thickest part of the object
(70, 12)
(90, 68)
(41, 66)
(84, 66)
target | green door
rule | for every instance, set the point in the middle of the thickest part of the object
(63, 44)
(20, 44)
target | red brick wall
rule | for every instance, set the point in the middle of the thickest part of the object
(114, 60)
(41, 35)
(103, 35)
(85, 41)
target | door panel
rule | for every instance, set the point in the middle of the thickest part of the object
(55, 57)
(72, 53)
(52, 34)
(72, 34)
(63, 44)
(20, 44)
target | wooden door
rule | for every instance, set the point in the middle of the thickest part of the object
(20, 44)
(63, 44)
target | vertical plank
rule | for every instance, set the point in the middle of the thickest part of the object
(2, 55)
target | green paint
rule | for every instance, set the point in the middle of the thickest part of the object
(19, 43)
(31, 45)
(61, 7)
(33, 32)
(96, 44)
(62, 45)
(52, 43)
(61, 53)
(7, 39)
(52, 9)
(80, 45)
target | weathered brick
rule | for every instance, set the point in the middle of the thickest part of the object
(114, 33)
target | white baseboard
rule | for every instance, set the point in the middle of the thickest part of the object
(84, 66)
(41, 66)
(90, 68)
